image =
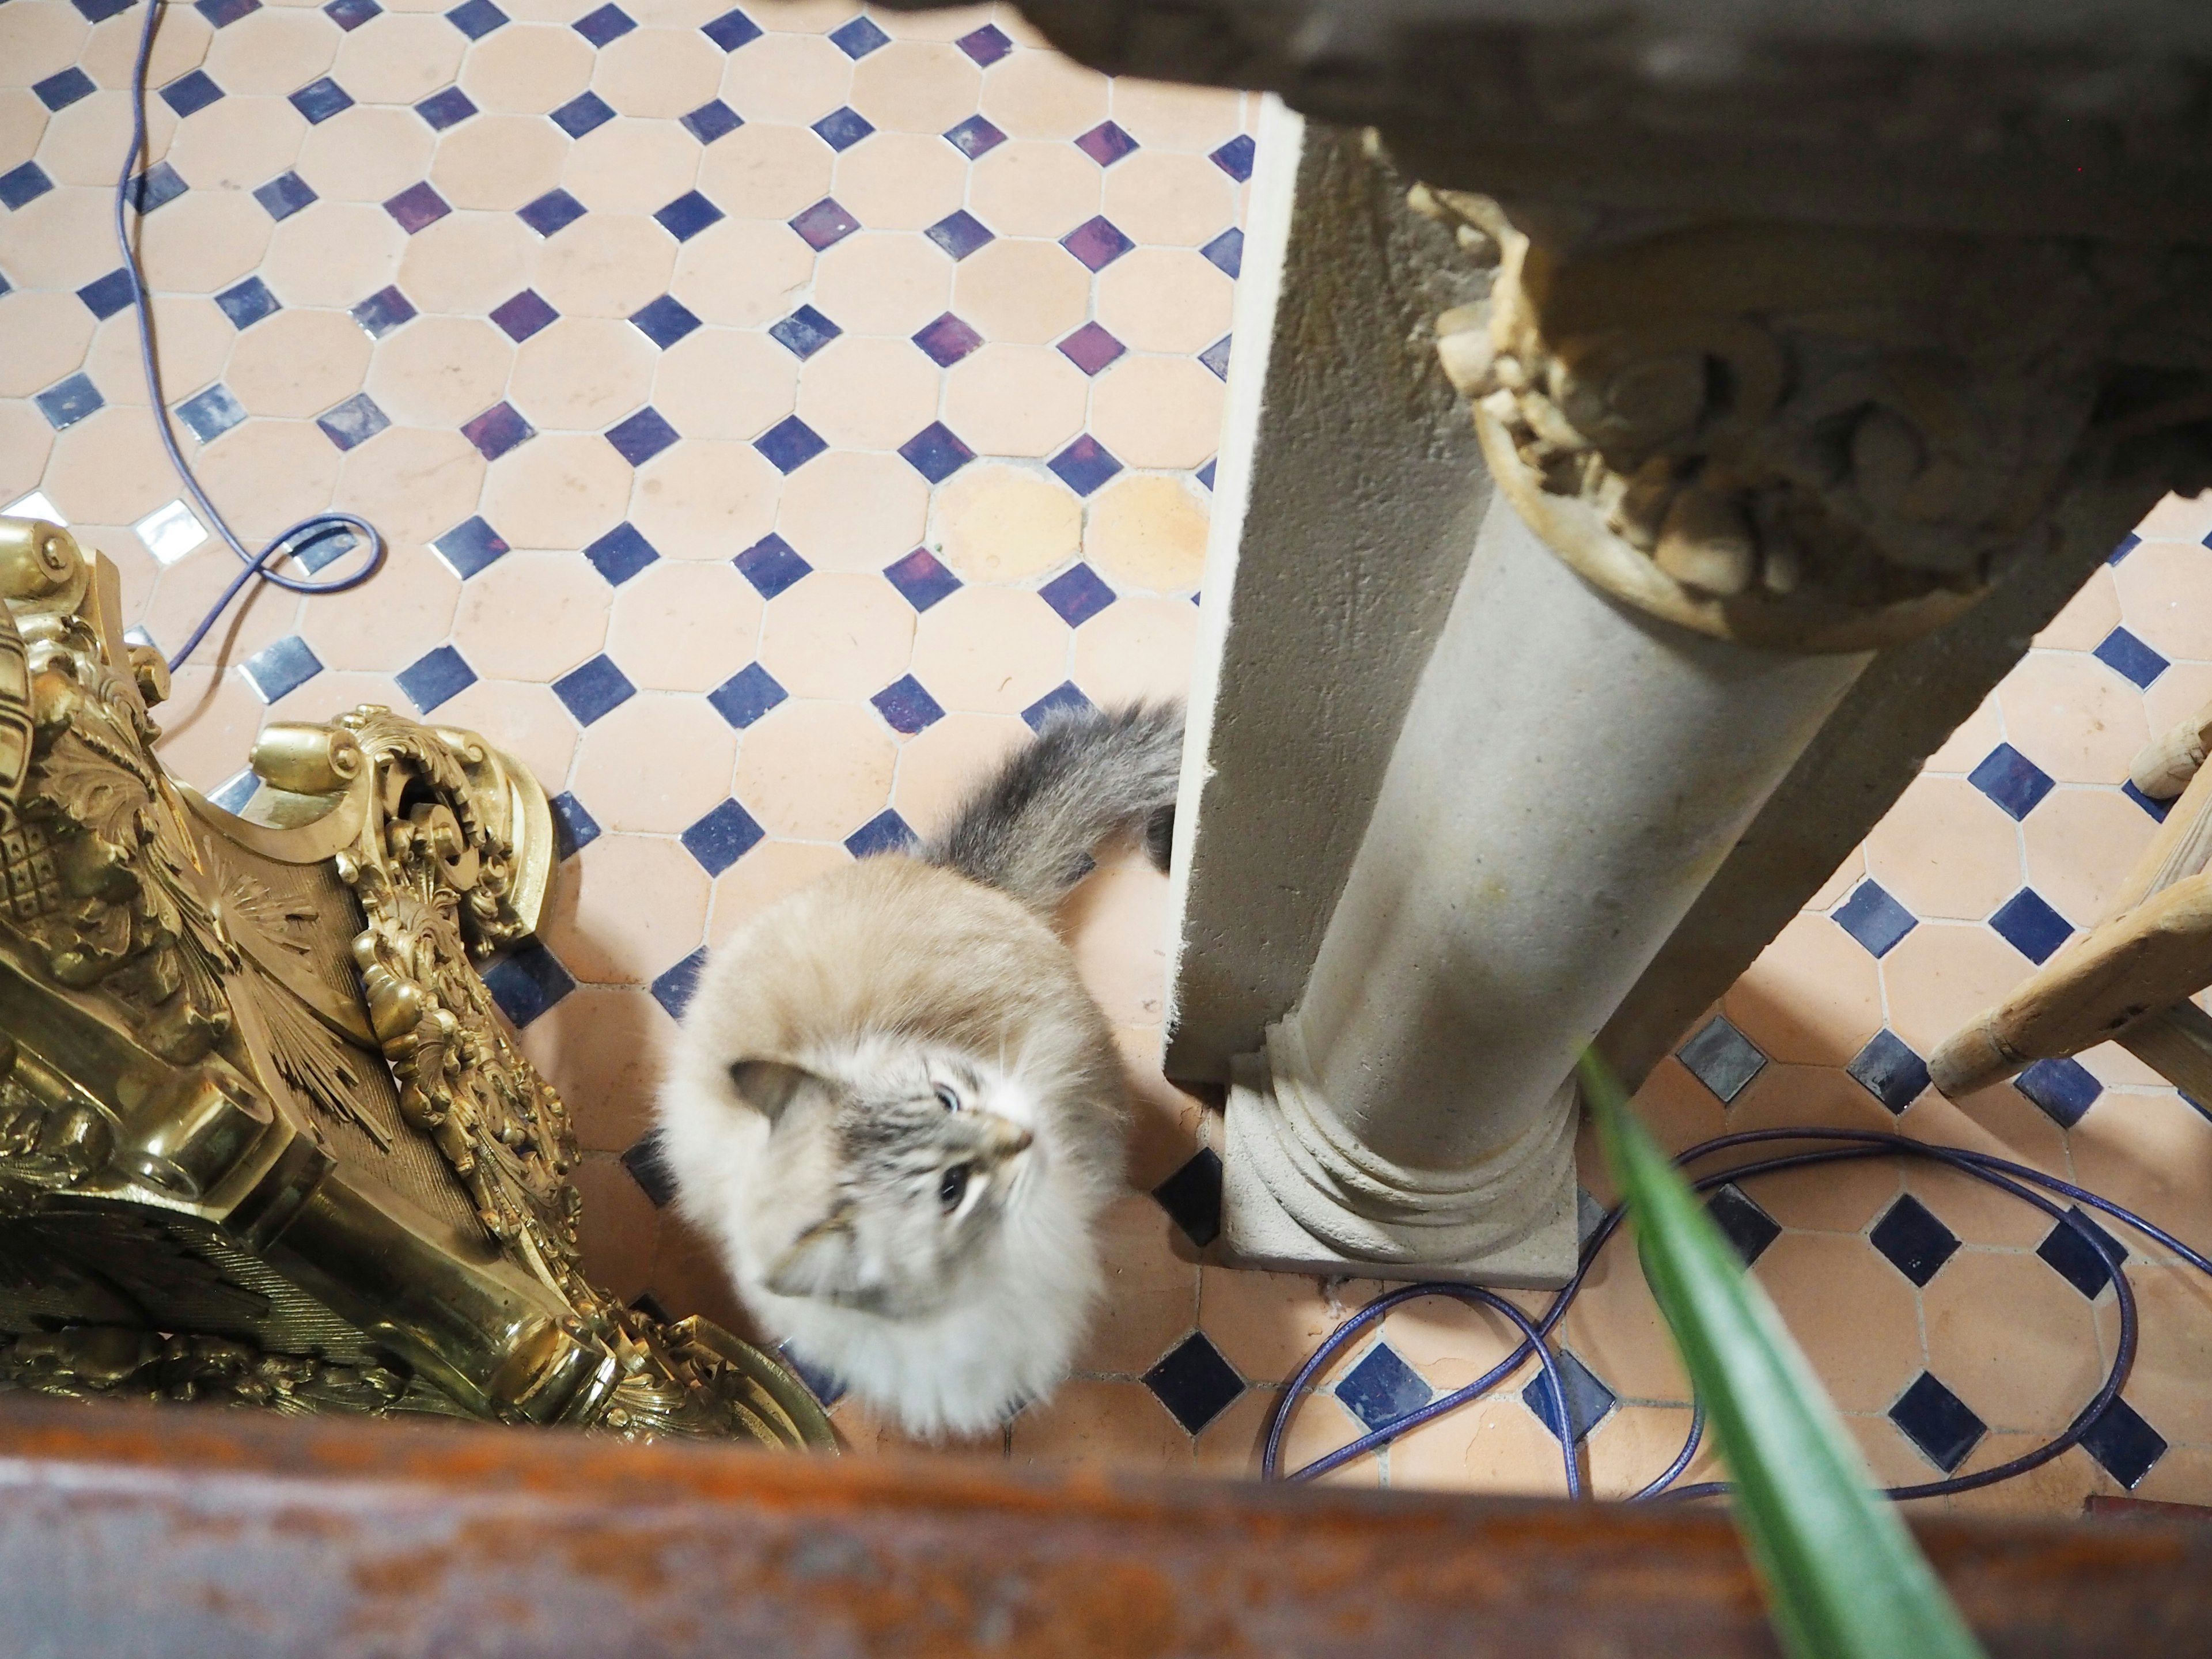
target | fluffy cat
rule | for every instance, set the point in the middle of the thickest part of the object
(895, 1109)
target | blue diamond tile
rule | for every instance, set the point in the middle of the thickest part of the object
(1063, 695)
(1192, 1197)
(497, 430)
(824, 224)
(687, 215)
(1913, 1240)
(524, 315)
(645, 1161)
(722, 837)
(1096, 243)
(1873, 918)
(22, 186)
(417, 207)
(744, 697)
(1937, 1421)
(2064, 1090)
(476, 18)
(2123, 1445)
(620, 554)
(2156, 809)
(947, 340)
(63, 89)
(596, 690)
(642, 436)
(887, 832)
(712, 120)
(236, 790)
(673, 990)
(2030, 925)
(2011, 780)
(1590, 1402)
(842, 129)
(281, 667)
(319, 100)
(1085, 465)
(826, 1386)
(583, 114)
(771, 565)
(382, 312)
(790, 444)
(285, 195)
(805, 332)
(2083, 1254)
(573, 828)
(859, 37)
(1226, 252)
(1206, 477)
(67, 402)
(191, 93)
(2130, 658)
(157, 186)
(973, 137)
(468, 547)
(1194, 1383)
(986, 45)
(526, 981)
(247, 302)
(433, 678)
(324, 547)
(907, 706)
(1106, 143)
(1890, 1071)
(552, 211)
(354, 421)
(1742, 1221)
(609, 22)
(223, 12)
(1722, 1059)
(920, 579)
(936, 451)
(350, 15)
(446, 109)
(1383, 1387)
(1234, 157)
(104, 296)
(99, 11)
(1216, 357)
(2128, 545)
(731, 30)
(208, 415)
(1077, 595)
(959, 233)
(665, 321)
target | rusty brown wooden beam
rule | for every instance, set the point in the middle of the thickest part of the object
(134, 1530)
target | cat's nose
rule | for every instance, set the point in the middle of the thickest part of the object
(1008, 1138)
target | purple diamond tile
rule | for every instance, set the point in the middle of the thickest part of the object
(1205, 474)
(920, 579)
(609, 22)
(687, 215)
(476, 18)
(1216, 356)
(935, 452)
(524, 315)
(1096, 242)
(1091, 347)
(712, 120)
(416, 207)
(1077, 595)
(99, 11)
(771, 565)
(1234, 157)
(731, 30)
(906, 708)
(446, 109)
(973, 137)
(382, 312)
(790, 444)
(641, 437)
(497, 430)
(1106, 143)
(284, 196)
(665, 321)
(859, 37)
(1085, 465)
(319, 100)
(552, 211)
(824, 224)
(960, 233)
(842, 129)
(947, 340)
(805, 332)
(350, 15)
(1226, 252)
(354, 421)
(986, 45)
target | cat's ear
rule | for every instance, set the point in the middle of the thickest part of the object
(823, 1262)
(770, 1085)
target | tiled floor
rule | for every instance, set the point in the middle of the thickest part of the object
(768, 409)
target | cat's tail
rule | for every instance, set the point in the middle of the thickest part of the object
(1030, 830)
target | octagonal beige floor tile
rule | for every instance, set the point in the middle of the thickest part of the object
(559, 489)
(499, 162)
(902, 180)
(990, 651)
(1030, 293)
(469, 263)
(1007, 524)
(581, 373)
(1164, 199)
(532, 617)
(837, 635)
(771, 871)
(606, 264)
(632, 167)
(765, 170)
(527, 69)
(705, 500)
(862, 393)
(403, 611)
(744, 272)
(1137, 648)
(1164, 298)
(412, 483)
(790, 79)
(1016, 400)
(916, 86)
(1158, 411)
(851, 510)
(815, 771)
(684, 626)
(298, 363)
(1148, 534)
(659, 72)
(657, 764)
(329, 253)
(1041, 94)
(600, 932)
(367, 154)
(239, 143)
(2073, 717)
(875, 283)
(437, 371)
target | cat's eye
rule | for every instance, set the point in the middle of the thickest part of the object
(946, 1098)
(954, 1186)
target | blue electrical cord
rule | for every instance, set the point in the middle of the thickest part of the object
(1843, 1144)
(289, 544)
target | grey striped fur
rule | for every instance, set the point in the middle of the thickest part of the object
(1030, 830)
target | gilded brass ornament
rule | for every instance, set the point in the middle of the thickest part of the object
(264, 1136)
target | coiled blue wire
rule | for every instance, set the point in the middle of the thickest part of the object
(289, 544)
(1841, 1144)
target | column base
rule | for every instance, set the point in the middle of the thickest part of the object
(1534, 1246)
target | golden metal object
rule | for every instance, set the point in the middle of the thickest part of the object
(262, 1137)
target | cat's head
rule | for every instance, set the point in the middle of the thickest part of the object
(888, 1172)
